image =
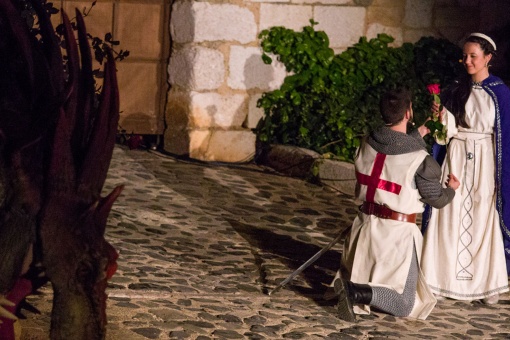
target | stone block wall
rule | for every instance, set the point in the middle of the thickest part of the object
(195, 72)
(216, 74)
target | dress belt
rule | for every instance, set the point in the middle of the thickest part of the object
(383, 211)
(468, 135)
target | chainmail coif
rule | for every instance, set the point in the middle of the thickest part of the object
(389, 142)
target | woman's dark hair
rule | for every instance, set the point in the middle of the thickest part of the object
(394, 104)
(456, 97)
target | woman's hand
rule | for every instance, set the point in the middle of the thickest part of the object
(437, 112)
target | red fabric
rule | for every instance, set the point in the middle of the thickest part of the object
(111, 267)
(374, 181)
(22, 288)
(134, 141)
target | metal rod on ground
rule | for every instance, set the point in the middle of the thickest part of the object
(310, 261)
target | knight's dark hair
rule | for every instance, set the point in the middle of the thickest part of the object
(459, 92)
(394, 104)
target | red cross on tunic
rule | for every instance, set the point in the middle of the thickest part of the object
(374, 181)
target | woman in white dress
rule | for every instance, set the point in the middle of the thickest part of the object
(464, 253)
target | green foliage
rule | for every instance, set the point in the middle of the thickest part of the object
(100, 47)
(437, 60)
(329, 102)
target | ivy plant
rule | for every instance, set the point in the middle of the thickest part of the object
(328, 102)
(99, 46)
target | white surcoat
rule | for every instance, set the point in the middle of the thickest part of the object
(379, 251)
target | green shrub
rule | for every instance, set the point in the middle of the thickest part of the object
(329, 102)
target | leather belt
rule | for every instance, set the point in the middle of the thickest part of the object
(383, 211)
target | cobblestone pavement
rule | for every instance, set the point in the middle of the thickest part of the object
(201, 245)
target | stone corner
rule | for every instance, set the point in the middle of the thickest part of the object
(299, 162)
(287, 159)
(338, 175)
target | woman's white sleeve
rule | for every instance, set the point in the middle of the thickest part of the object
(449, 122)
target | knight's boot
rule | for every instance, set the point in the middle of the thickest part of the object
(349, 294)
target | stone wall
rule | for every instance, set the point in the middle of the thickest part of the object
(216, 73)
(195, 73)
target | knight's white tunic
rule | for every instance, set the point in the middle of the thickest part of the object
(379, 251)
(463, 256)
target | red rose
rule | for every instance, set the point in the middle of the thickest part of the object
(433, 88)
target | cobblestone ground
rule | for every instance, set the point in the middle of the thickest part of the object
(201, 245)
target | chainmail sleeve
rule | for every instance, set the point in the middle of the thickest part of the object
(428, 182)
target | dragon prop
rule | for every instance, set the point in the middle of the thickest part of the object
(56, 144)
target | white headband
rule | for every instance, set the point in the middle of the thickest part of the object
(486, 37)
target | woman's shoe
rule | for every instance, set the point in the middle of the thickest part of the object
(491, 300)
(439, 297)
